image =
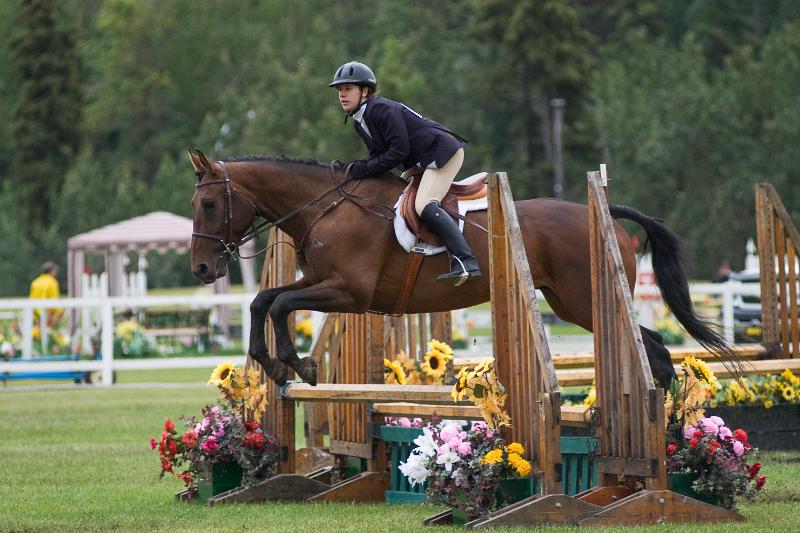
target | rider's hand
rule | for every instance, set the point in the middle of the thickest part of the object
(358, 171)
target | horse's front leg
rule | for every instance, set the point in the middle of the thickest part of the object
(274, 368)
(324, 297)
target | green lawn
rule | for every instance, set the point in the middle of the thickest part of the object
(78, 459)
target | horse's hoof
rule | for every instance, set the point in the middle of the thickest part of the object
(307, 370)
(277, 371)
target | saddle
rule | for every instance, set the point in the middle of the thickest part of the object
(471, 188)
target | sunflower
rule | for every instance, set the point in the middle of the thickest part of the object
(493, 457)
(393, 372)
(221, 376)
(699, 369)
(435, 364)
(788, 393)
(441, 347)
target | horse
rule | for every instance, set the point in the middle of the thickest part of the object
(351, 262)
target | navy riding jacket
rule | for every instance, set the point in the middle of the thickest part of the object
(399, 136)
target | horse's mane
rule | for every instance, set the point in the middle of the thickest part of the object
(338, 165)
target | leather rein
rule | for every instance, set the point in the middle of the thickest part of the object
(231, 248)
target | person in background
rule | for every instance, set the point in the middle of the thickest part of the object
(723, 272)
(46, 286)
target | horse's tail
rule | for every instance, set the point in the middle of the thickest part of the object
(671, 279)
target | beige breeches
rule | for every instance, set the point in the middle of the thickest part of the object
(436, 181)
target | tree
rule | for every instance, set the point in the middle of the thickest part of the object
(46, 120)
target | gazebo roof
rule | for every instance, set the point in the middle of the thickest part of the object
(159, 230)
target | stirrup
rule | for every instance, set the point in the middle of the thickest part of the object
(459, 278)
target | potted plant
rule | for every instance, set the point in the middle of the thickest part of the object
(226, 447)
(705, 459)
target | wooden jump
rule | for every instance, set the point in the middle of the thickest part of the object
(778, 245)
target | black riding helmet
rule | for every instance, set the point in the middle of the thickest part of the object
(356, 73)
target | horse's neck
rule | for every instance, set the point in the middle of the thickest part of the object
(281, 189)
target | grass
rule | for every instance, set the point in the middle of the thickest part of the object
(78, 459)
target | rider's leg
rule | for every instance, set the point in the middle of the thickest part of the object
(433, 186)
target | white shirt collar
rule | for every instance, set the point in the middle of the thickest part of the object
(359, 115)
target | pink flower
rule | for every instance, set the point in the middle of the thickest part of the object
(688, 432)
(416, 423)
(709, 427)
(738, 448)
(210, 445)
(464, 448)
(479, 426)
(404, 422)
(450, 431)
(725, 432)
(717, 420)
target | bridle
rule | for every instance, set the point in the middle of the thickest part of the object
(230, 249)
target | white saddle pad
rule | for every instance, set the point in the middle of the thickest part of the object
(409, 241)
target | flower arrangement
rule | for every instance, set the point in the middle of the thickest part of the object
(130, 341)
(462, 468)
(405, 370)
(227, 432)
(761, 390)
(718, 458)
(403, 422)
(685, 401)
(480, 385)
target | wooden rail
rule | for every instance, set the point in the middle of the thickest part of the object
(778, 245)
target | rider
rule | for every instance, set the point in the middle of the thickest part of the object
(396, 135)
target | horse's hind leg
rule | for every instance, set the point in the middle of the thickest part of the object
(659, 357)
(274, 368)
(323, 297)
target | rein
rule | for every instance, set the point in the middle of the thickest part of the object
(231, 248)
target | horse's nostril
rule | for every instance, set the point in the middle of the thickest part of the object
(201, 269)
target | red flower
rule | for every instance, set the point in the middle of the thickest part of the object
(189, 438)
(254, 440)
(671, 449)
(713, 446)
(740, 435)
(153, 444)
(251, 425)
(693, 442)
(754, 470)
(169, 426)
(698, 434)
(172, 447)
(186, 478)
(760, 482)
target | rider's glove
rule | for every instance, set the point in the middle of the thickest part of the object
(358, 170)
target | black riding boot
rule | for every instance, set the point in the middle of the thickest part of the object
(463, 264)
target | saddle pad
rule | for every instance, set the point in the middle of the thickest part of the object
(407, 239)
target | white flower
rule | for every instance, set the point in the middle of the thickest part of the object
(425, 443)
(415, 468)
(447, 457)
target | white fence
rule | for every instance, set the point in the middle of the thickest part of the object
(105, 307)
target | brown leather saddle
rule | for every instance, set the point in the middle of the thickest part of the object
(471, 188)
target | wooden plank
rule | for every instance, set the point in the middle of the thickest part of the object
(571, 415)
(794, 325)
(766, 259)
(551, 509)
(283, 487)
(352, 392)
(365, 487)
(632, 466)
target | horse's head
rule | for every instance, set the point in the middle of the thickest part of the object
(222, 214)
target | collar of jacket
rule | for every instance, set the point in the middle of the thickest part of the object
(358, 113)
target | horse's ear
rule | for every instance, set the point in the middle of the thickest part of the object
(199, 161)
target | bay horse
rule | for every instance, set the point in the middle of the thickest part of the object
(351, 261)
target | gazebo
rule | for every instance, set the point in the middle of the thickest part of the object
(159, 231)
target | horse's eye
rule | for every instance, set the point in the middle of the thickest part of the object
(208, 204)
(199, 174)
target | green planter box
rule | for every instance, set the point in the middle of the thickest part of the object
(578, 468)
(681, 482)
(219, 478)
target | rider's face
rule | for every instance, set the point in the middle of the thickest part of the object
(350, 96)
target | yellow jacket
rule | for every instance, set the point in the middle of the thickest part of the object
(45, 286)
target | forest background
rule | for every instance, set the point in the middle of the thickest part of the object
(688, 102)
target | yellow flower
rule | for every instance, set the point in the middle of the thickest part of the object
(221, 375)
(393, 372)
(441, 347)
(435, 364)
(701, 371)
(768, 404)
(788, 394)
(304, 327)
(515, 447)
(519, 464)
(493, 457)
(591, 396)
